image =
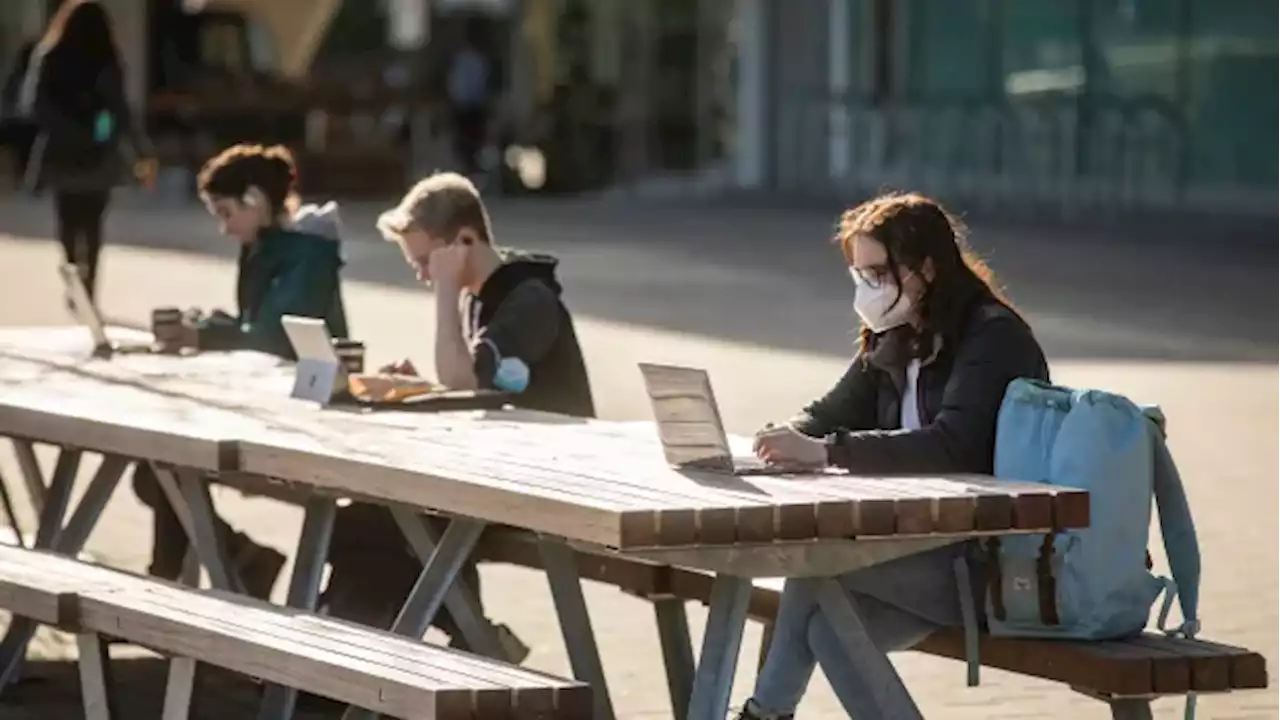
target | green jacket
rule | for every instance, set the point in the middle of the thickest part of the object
(288, 271)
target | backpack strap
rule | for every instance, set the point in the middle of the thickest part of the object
(1177, 529)
(1046, 584)
(1180, 544)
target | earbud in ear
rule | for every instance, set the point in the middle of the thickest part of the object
(254, 197)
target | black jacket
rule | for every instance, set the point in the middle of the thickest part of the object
(961, 386)
(518, 313)
(68, 102)
(294, 271)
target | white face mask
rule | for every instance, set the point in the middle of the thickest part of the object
(876, 305)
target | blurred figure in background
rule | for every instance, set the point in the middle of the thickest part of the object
(74, 86)
(469, 91)
(17, 130)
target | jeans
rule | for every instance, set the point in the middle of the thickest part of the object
(900, 603)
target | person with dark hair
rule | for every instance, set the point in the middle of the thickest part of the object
(289, 265)
(76, 91)
(290, 255)
(939, 343)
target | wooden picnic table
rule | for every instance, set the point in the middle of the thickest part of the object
(598, 485)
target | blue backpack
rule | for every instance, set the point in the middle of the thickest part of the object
(1094, 583)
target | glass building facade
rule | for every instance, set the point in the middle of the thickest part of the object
(1152, 101)
(1210, 64)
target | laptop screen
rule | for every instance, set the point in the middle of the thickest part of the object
(309, 338)
(687, 416)
(85, 311)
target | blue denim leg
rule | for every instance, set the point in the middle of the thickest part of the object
(789, 663)
(899, 602)
(889, 628)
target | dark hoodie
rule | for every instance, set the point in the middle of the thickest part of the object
(288, 271)
(518, 314)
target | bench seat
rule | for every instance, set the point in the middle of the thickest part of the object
(1145, 666)
(372, 669)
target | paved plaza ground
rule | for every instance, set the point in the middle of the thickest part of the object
(760, 299)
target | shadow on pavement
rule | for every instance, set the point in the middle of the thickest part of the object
(769, 276)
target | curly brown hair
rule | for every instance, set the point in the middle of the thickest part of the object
(233, 171)
(914, 228)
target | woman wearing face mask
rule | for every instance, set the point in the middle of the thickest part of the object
(289, 265)
(938, 345)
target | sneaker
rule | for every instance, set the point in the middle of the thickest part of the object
(751, 711)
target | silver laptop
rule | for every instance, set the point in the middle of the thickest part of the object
(87, 313)
(319, 370)
(689, 424)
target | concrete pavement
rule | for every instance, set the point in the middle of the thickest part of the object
(759, 298)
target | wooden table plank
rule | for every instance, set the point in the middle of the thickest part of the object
(593, 481)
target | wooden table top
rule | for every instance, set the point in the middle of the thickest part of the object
(595, 481)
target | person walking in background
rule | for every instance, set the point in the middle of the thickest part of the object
(468, 88)
(75, 85)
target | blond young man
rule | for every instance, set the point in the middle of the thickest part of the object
(500, 324)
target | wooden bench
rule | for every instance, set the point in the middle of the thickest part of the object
(372, 669)
(1124, 673)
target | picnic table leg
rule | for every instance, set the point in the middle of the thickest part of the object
(721, 642)
(461, 600)
(180, 684)
(66, 541)
(304, 589)
(32, 475)
(435, 583)
(188, 493)
(7, 501)
(75, 534)
(95, 677)
(677, 651)
(58, 498)
(14, 646)
(439, 574)
(888, 691)
(1130, 709)
(561, 564)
